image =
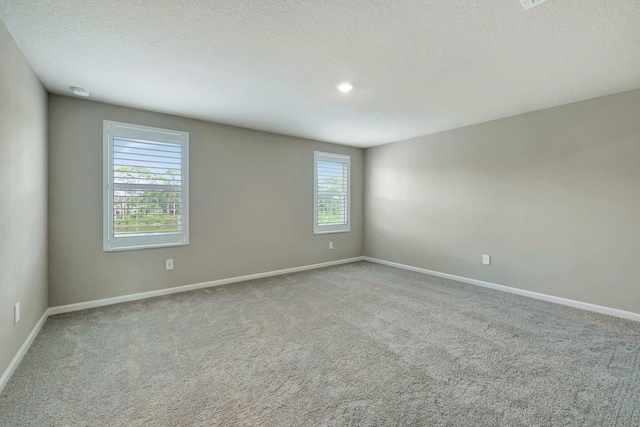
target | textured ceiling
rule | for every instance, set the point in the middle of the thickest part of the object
(418, 66)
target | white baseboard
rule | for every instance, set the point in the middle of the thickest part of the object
(558, 300)
(133, 297)
(4, 379)
(115, 300)
(143, 295)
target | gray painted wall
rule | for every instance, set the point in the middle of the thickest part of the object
(23, 197)
(553, 196)
(251, 207)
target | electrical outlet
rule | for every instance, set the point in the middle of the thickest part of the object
(486, 259)
(330, 245)
(169, 264)
(16, 313)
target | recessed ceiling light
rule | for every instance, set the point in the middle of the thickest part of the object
(345, 87)
(79, 91)
(528, 4)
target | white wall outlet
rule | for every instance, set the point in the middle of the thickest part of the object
(16, 313)
(330, 245)
(169, 264)
(486, 259)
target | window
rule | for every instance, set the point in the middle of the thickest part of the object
(146, 187)
(332, 186)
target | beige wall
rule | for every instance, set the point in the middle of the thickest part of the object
(23, 197)
(553, 196)
(251, 207)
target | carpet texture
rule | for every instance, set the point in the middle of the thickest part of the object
(352, 345)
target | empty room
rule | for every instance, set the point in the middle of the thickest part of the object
(320, 213)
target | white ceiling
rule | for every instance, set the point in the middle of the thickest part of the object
(419, 66)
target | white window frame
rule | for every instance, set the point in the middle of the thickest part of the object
(126, 130)
(338, 158)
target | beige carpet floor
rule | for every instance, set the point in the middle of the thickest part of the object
(352, 345)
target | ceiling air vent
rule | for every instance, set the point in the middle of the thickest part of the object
(528, 4)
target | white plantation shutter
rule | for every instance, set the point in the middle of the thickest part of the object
(332, 183)
(146, 187)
